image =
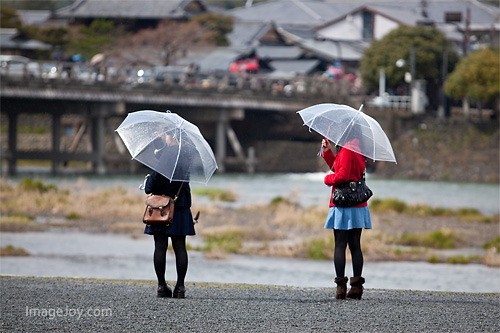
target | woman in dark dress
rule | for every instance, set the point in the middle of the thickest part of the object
(182, 225)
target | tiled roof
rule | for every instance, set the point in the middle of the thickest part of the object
(330, 50)
(9, 40)
(286, 69)
(292, 12)
(312, 12)
(219, 60)
(246, 34)
(145, 9)
(278, 52)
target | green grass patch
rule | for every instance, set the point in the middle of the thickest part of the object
(434, 260)
(281, 200)
(387, 205)
(39, 163)
(495, 242)
(18, 223)
(462, 259)
(30, 184)
(392, 205)
(17, 217)
(227, 240)
(26, 129)
(216, 194)
(319, 249)
(439, 239)
(398, 251)
(10, 250)
(73, 216)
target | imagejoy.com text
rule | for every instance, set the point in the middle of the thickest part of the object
(52, 313)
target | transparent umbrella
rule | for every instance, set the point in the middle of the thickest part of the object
(341, 124)
(168, 144)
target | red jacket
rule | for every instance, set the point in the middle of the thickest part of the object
(347, 166)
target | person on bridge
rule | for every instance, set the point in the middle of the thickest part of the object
(181, 226)
(346, 222)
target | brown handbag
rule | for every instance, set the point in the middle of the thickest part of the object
(160, 209)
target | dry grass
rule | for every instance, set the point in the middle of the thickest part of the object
(108, 204)
(18, 223)
(280, 228)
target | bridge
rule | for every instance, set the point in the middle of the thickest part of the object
(101, 100)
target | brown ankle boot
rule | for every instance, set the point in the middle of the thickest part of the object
(341, 287)
(356, 287)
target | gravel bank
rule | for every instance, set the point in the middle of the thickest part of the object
(33, 304)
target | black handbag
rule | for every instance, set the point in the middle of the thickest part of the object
(351, 193)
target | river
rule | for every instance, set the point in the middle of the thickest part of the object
(68, 253)
(76, 254)
(308, 189)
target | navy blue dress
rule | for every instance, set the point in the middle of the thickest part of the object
(182, 224)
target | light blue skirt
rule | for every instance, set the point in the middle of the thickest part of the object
(346, 218)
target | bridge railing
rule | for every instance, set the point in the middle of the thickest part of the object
(391, 102)
(223, 82)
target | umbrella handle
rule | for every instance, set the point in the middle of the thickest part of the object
(321, 147)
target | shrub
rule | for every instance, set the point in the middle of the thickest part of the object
(29, 184)
(280, 200)
(493, 243)
(396, 206)
(73, 216)
(10, 250)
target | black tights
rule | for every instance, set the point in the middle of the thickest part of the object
(160, 257)
(353, 238)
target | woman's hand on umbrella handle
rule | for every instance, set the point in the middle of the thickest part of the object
(325, 145)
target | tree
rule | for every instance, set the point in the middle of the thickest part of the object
(56, 37)
(477, 78)
(36, 5)
(9, 18)
(429, 44)
(92, 39)
(219, 24)
(170, 39)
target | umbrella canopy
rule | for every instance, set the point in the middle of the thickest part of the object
(97, 58)
(168, 144)
(341, 124)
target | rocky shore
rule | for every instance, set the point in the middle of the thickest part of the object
(33, 304)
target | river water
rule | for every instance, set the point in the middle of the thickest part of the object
(72, 254)
(309, 190)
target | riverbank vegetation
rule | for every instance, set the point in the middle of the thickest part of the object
(401, 232)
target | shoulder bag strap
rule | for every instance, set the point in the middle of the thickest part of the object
(178, 192)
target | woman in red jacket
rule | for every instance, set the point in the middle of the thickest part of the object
(346, 222)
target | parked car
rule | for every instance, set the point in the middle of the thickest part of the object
(13, 66)
(169, 73)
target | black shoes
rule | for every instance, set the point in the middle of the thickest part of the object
(164, 291)
(180, 292)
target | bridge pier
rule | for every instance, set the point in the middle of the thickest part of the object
(220, 140)
(98, 140)
(56, 142)
(12, 143)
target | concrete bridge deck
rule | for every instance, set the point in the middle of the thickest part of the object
(213, 101)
